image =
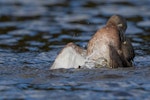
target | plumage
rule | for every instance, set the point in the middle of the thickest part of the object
(111, 43)
(71, 56)
(109, 47)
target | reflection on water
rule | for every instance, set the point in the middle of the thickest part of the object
(32, 32)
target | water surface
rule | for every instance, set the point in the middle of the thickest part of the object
(32, 32)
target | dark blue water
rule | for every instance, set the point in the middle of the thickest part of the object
(32, 32)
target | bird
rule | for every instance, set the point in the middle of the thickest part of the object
(111, 44)
(108, 47)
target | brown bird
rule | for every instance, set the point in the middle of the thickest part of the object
(111, 44)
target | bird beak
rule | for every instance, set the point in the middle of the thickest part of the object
(121, 33)
(120, 25)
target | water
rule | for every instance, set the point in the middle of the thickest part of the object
(32, 32)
